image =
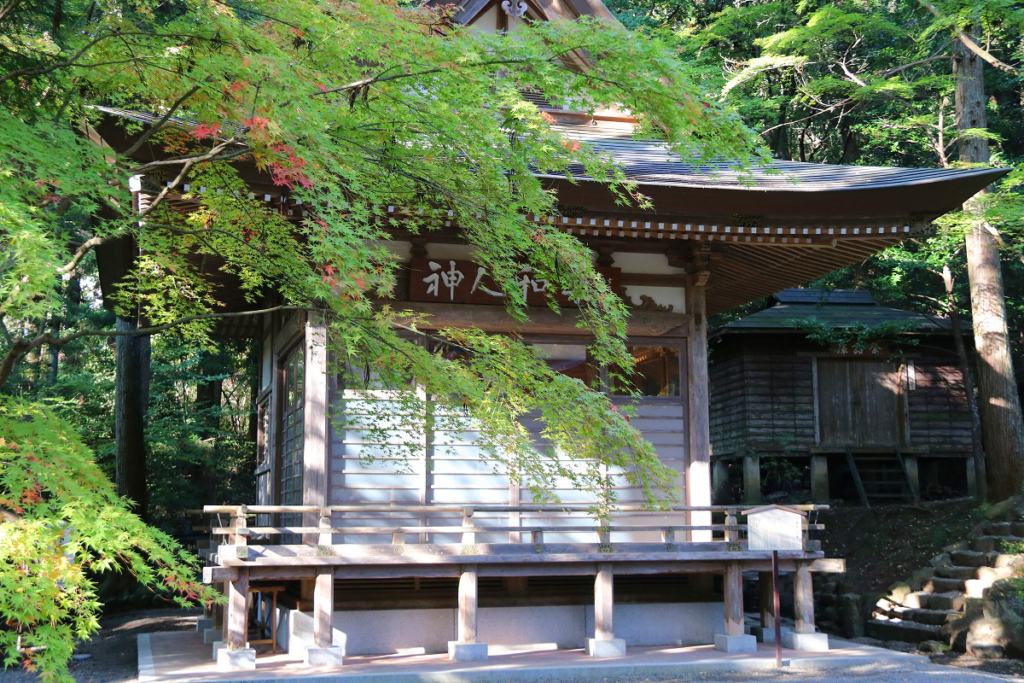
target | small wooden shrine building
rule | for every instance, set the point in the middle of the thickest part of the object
(885, 422)
(452, 556)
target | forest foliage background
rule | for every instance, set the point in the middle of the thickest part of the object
(850, 81)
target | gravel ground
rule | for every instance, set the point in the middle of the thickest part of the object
(112, 652)
(924, 673)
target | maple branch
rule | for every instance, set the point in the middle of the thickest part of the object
(160, 123)
(24, 345)
(80, 253)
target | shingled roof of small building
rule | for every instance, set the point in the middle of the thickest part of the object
(790, 308)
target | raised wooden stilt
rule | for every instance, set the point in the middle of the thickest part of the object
(323, 609)
(751, 479)
(468, 604)
(733, 585)
(604, 602)
(803, 594)
(236, 619)
(466, 648)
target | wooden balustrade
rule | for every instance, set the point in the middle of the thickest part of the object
(507, 521)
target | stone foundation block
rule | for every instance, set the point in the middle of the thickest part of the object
(324, 656)
(805, 642)
(467, 652)
(236, 660)
(767, 635)
(212, 635)
(219, 645)
(724, 643)
(204, 623)
(601, 649)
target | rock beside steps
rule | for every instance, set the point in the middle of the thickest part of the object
(938, 601)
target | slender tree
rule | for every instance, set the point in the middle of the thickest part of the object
(1003, 428)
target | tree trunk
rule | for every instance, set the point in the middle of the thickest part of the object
(977, 447)
(997, 388)
(131, 395)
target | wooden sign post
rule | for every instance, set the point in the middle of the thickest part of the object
(775, 528)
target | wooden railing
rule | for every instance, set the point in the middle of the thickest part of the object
(479, 520)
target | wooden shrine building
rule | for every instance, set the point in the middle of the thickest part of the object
(452, 556)
(880, 421)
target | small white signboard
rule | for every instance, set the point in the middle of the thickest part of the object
(774, 527)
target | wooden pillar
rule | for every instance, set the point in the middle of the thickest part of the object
(323, 608)
(803, 595)
(316, 425)
(913, 476)
(467, 604)
(751, 479)
(604, 602)
(971, 477)
(236, 619)
(765, 600)
(819, 479)
(733, 585)
(720, 478)
(698, 470)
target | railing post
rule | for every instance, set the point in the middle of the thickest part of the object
(537, 538)
(668, 537)
(325, 542)
(468, 532)
(604, 643)
(241, 537)
(731, 535)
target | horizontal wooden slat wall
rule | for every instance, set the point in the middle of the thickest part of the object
(381, 452)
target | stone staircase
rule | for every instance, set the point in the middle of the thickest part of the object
(929, 605)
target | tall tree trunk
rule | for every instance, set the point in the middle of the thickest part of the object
(997, 388)
(977, 445)
(131, 395)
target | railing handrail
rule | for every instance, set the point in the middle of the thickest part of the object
(469, 510)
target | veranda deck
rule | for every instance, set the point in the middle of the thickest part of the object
(625, 544)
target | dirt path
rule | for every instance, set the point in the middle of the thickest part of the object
(112, 652)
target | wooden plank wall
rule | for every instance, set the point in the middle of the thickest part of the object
(441, 462)
(779, 397)
(939, 417)
(728, 403)
(762, 398)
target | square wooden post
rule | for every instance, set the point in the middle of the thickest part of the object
(604, 643)
(698, 469)
(734, 639)
(804, 637)
(324, 652)
(819, 479)
(751, 479)
(235, 654)
(803, 596)
(466, 648)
